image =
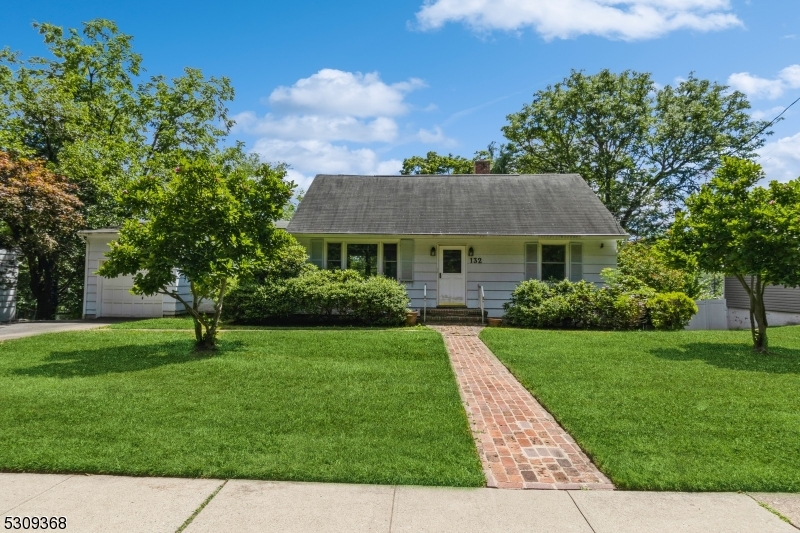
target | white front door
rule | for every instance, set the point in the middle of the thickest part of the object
(452, 278)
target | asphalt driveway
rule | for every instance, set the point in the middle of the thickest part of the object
(18, 330)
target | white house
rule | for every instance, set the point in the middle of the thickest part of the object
(446, 238)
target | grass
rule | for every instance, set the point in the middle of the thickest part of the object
(359, 406)
(689, 410)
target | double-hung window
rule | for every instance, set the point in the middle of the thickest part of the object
(554, 262)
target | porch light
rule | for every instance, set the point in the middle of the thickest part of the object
(433, 251)
(470, 252)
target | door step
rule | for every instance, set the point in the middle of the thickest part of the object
(452, 315)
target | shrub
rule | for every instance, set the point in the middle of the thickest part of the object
(320, 296)
(671, 310)
(581, 305)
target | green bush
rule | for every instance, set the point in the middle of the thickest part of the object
(320, 296)
(671, 310)
(582, 305)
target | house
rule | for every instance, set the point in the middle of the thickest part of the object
(8, 285)
(446, 238)
(782, 304)
(449, 237)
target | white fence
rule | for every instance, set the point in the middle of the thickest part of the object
(711, 314)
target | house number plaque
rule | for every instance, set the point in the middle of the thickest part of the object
(476, 259)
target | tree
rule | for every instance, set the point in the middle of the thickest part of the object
(211, 221)
(39, 214)
(434, 163)
(643, 149)
(746, 231)
(87, 112)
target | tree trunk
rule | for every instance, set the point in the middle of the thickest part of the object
(44, 286)
(758, 311)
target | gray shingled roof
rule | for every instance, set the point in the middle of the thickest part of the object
(483, 204)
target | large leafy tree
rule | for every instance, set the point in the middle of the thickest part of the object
(642, 148)
(91, 115)
(210, 221)
(434, 163)
(746, 231)
(39, 213)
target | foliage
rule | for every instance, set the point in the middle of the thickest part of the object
(434, 163)
(346, 406)
(671, 310)
(668, 411)
(578, 305)
(641, 148)
(321, 296)
(746, 231)
(640, 263)
(211, 221)
(291, 206)
(39, 213)
(83, 112)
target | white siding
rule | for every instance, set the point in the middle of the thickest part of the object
(501, 269)
(8, 285)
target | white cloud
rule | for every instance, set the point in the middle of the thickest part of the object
(319, 127)
(766, 114)
(313, 124)
(311, 157)
(336, 92)
(757, 87)
(564, 19)
(781, 159)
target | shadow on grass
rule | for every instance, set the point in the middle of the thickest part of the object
(85, 362)
(732, 356)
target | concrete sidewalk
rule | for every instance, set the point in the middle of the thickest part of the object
(17, 330)
(112, 503)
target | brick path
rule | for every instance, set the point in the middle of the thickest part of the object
(521, 446)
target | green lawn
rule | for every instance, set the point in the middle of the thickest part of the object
(362, 406)
(689, 410)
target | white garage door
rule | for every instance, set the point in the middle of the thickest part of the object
(117, 301)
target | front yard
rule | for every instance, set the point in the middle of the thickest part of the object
(689, 410)
(361, 406)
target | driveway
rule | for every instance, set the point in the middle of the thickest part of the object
(18, 330)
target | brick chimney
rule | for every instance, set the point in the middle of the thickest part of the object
(483, 166)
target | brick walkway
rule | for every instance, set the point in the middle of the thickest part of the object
(520, 445)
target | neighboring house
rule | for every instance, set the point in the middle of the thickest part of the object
(111, 297)
(8, 285)
(448, 236)
(782, 303)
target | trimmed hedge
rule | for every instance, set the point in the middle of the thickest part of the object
(581, 305)
(320, 296)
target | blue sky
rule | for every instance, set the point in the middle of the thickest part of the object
(354, 87)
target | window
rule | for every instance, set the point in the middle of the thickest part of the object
(334, 261)
(390, 261)
(554, 262)
(451, 261)
(363, 258)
